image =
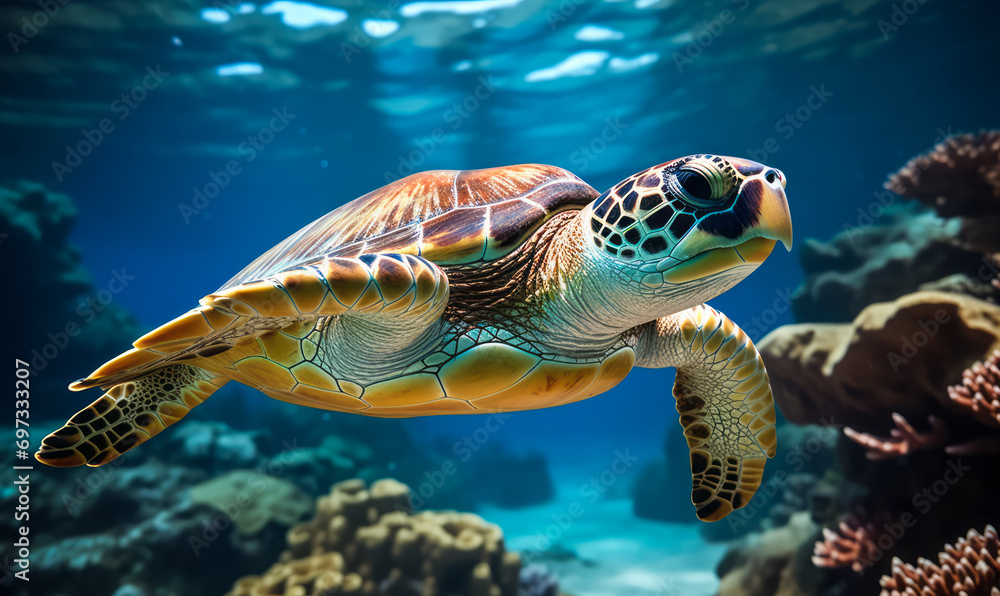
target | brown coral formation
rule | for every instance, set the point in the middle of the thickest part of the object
(364, 541)
(969, 568)
(896, 356)
(960, 176)
(980, 390)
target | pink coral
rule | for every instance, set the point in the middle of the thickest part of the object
(970, 568)
(904, 439)
(980, 390)
(854, 544)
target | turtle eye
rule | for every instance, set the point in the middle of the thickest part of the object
(695, 185)
(703, 182)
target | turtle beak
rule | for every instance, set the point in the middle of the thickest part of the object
(774, 218)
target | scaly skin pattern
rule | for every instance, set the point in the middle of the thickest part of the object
(484, 291)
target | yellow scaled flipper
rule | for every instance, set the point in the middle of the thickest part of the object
(724, 399)
(127, 415)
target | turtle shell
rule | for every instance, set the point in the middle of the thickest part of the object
(449, 217)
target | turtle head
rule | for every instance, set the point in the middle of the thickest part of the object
(691, 218)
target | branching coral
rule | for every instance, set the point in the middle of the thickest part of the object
(854, 544)
(969, 568)
(980, 390)
(364, 541)
(960, 176)
(904, 439)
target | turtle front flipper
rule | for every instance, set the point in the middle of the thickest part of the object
(127, 415)
(724, 399)
(400, 286)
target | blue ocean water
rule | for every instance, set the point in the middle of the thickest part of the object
(216, 130)
(835, 95)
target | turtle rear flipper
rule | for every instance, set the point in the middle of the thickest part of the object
(725, 403)
(127, 415)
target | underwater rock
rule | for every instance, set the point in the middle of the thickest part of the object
(364, 540)
(81, 323)
(898, 356)
(537, 580)
(769, 564)
(113, 528)
(214, 445)
(795, 498)
(253, 500)
(959, 283)
(335, 459)
(969, 568)
(910, 248)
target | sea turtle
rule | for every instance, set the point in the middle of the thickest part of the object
(461, 292)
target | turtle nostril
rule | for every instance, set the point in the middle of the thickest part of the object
(771, 176)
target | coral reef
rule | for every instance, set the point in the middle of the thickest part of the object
(854, 544)
(898, 356)
(980, 390)
(82, 324)
(116, 526)
(772, 563)
(214, 445)
(908, 318)
(536, 580)
(904, 439)
(253, 500)
(979, 394)
(969, 568)
(946, 239)
(186, 500)
(365, 541)
(959, 177)
(909, 249)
